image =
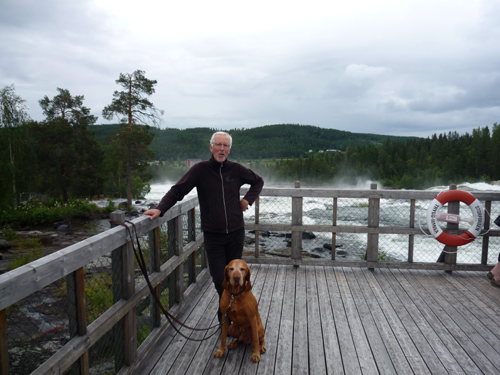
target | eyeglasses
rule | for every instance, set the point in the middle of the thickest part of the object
(219, 145)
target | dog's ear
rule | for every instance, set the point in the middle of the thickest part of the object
(248, 284)
(226, 278)
(247, 273)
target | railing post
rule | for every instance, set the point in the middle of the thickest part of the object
(450, 252)
(373, 222)
(191, 223)
(486, 239)
(175, 246)
(155, 265)
(257, 212)
(123, 269)
(4, 350)
(296, 220)
(411, 238)
(334, 223)
(77, 316)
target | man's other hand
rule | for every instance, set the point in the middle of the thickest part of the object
(244, 205)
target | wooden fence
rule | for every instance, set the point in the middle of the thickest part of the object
(71, 262)
(373, 230)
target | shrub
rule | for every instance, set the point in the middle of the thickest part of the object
(34, 212)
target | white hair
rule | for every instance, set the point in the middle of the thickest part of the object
(212, 140)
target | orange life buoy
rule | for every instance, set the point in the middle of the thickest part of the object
(471, 233)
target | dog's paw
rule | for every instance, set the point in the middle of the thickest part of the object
(255, 357)
(219, 353)
(263, 349)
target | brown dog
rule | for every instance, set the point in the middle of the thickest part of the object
(243, 310)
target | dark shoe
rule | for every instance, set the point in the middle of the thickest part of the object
(495, 282)
(489, 276)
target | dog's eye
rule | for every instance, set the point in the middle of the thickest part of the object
(242, 269)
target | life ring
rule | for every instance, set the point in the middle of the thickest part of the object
(469, 235)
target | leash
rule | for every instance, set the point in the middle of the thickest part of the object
(142, 265)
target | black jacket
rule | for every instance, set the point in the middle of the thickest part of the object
(218, 186)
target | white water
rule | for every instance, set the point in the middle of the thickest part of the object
(354, 212)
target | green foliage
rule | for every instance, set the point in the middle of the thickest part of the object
(13, 145)
(412, 164)
(131, 105)
(68, 157)
(98, 295)
(133, 108)
(9, 234)
(27, 250)
(270, 141)
(67, 107)
(34, 212)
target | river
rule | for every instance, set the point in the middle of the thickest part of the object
(354, 212)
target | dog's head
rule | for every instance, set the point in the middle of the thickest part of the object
(237, 275)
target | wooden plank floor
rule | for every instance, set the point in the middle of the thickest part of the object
(323, 320)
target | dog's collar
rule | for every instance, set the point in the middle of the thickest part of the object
(241, 291)
(232, 299)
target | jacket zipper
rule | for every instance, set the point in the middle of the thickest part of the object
(223, 196)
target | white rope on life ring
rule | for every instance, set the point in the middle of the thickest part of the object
(471, 233)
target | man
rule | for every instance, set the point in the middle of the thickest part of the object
(218, 183)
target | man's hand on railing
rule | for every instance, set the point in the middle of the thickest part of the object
(153, 212)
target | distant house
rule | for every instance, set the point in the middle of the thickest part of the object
(191, 162)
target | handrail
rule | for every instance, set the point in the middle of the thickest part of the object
(27, 279)
(373, 198)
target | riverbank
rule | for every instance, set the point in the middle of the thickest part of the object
(20, 246)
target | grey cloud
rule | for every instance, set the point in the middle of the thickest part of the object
(377, 72)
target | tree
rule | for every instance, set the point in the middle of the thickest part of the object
(68, 154)
(13, 114)
(133, 108)
(67, 107)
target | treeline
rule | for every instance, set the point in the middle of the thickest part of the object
(413, 164)
(61, 159)
(265, 142)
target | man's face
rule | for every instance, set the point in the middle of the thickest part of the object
(220, 149)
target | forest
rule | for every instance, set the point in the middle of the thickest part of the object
(416, 163)
(67, 156)
(264, 142)
(317, 156)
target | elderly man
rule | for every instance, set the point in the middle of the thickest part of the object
(218, 183)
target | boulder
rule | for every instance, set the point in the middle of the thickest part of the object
(5, 245)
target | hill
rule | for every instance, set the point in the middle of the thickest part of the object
(270, 141)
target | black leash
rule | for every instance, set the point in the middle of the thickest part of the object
(142, 265)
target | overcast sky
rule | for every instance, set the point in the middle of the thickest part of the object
(415, 67)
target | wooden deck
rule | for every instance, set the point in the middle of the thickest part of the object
(323, 320)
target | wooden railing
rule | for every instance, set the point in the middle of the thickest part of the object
(373, 230)
(70, 263)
